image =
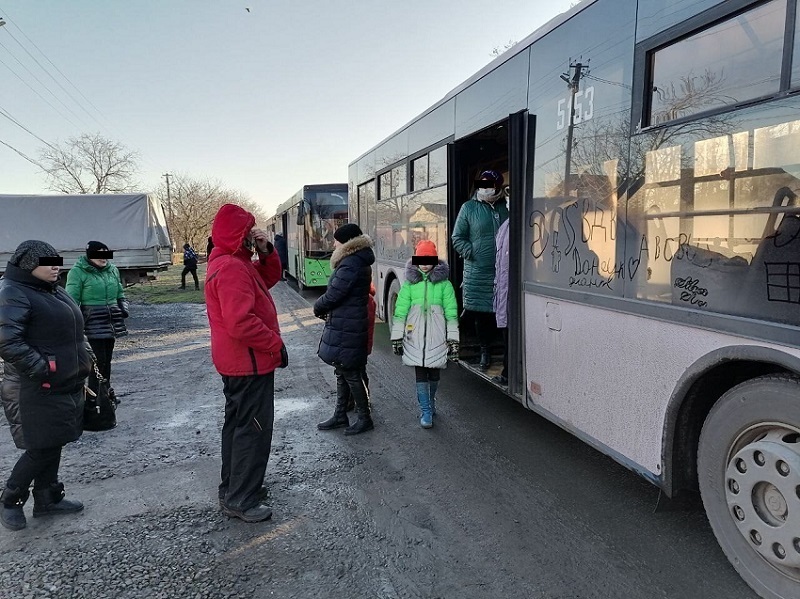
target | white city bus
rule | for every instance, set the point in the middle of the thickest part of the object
(652, 149)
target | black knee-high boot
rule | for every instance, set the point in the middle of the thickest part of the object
(339, 417)
(358, 391)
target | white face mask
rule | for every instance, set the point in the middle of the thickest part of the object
(486, 195)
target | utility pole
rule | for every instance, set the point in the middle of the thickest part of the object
(169, 198)
(574, 85)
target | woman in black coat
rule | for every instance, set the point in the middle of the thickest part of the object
(46, 362)
(345, 337)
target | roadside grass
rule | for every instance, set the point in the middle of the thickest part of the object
(166, 288)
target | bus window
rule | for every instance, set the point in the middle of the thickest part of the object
(733, 61)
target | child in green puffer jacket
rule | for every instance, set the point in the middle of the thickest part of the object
(425, 327)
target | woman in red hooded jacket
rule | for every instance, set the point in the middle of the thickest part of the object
(246, 348)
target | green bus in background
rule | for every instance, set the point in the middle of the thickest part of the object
(307, 221)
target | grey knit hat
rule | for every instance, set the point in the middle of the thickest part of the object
(27, 254)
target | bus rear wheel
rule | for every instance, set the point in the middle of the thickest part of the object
(749, 476)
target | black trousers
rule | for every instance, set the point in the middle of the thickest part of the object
(246, 437)
(425, 375)
(187, 270)
(485, 326)
(104, 350)
(37, 466)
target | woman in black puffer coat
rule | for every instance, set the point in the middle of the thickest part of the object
(345, 337)
(46, 362)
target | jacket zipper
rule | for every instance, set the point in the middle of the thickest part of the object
(425, 316)
(253, 360)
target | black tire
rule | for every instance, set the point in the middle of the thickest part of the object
(391, 301)
(749, 475)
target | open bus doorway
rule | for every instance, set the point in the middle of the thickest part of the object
(486, 150)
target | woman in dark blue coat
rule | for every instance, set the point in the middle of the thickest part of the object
(345, 337)
(46, 362)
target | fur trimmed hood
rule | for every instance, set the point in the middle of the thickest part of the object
(440, 272)
(356, 244)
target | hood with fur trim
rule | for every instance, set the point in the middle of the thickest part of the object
(440, 272)
(355, 245)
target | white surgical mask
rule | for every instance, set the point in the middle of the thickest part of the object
(486, 195)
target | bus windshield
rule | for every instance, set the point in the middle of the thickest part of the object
(328, 213)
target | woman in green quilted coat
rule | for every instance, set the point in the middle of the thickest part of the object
(95, 285)
(425, 327)
(474, 239)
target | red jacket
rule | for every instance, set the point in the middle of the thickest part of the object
(371, 309)
(245, 336)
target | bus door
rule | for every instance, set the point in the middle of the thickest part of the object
(487, 149)
(521, 131)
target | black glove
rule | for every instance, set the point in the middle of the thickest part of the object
(397, 347)
(452, 351)
(122, 303)
(284, 357)
(319, 313)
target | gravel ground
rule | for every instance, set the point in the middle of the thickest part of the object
(492, 502)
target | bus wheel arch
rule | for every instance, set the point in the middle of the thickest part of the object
(753, 502)
(390, 301)
(703, 384)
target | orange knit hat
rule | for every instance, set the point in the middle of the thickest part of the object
(426, 248)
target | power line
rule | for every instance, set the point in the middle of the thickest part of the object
(6, 114)
(56, 81)
(28, 158)
(39, 81)
(53, 64)
(45, 100)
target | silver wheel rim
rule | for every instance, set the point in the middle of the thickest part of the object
(762, 490)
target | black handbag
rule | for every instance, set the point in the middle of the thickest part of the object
(100, 411)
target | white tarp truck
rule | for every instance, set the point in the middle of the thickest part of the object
(133, 226)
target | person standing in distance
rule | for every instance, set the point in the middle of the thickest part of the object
(345, 308)
(189, 266)
(246, 348)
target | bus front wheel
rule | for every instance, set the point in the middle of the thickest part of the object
(749, 476)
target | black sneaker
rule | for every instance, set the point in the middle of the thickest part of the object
(500, 380)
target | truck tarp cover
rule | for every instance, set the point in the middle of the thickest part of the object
(122, 222)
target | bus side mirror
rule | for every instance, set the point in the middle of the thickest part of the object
(302, 209)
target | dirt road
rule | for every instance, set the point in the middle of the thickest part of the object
(492, 502)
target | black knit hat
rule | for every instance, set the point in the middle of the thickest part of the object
(347, 232)
(96, 246)
(27, 254)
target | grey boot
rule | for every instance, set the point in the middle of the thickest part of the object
(12, 516)
(50, 501)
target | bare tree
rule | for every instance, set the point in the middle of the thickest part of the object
(89, 164)
(194, 203)
(497, 50)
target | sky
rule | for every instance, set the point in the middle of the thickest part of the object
(264, 100)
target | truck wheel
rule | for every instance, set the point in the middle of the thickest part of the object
(749, 475)
(391, 301)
